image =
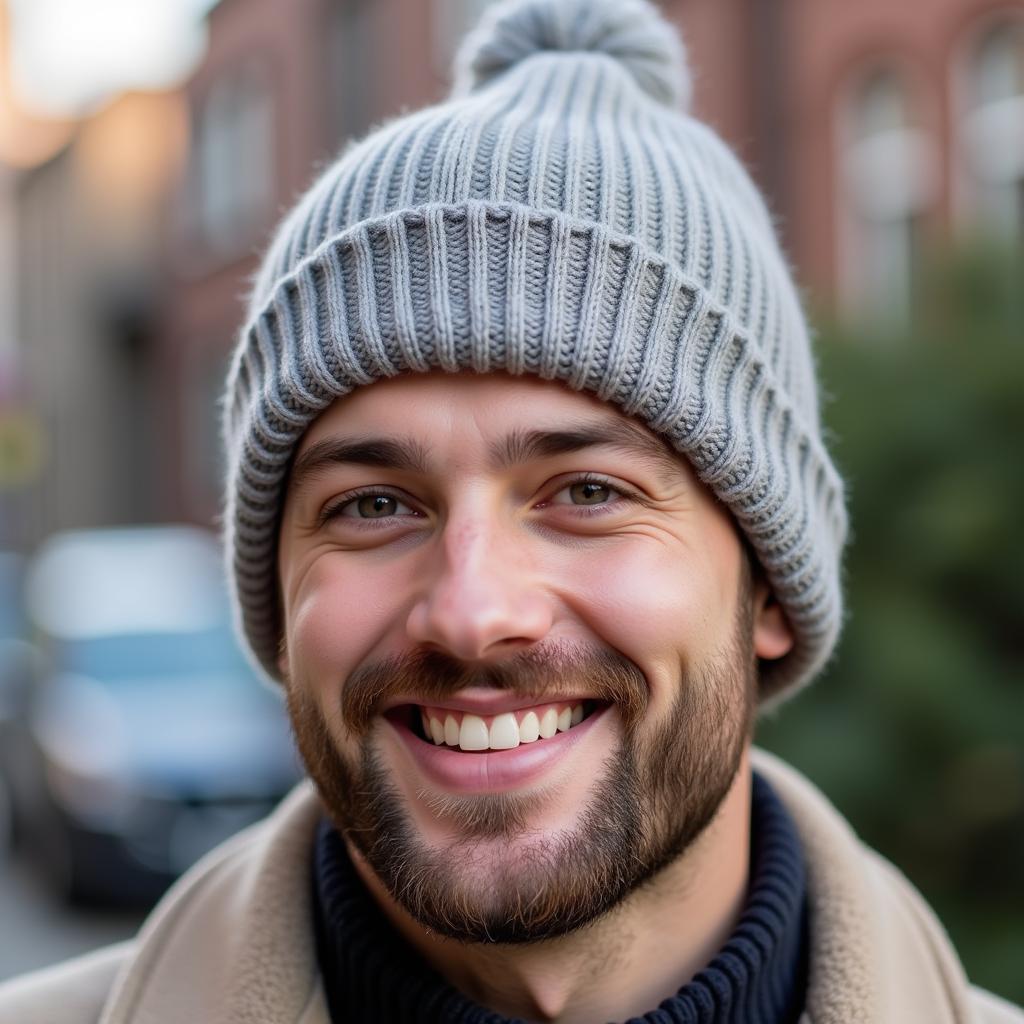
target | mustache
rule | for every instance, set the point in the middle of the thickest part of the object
(547, 673)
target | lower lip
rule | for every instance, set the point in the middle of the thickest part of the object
(497, 770)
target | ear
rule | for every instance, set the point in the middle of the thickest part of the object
(773, 635)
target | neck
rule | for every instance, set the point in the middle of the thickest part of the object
(642, 952)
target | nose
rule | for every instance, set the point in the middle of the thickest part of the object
(481, 596)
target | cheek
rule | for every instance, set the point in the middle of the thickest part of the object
(665, 610)
(336, 614)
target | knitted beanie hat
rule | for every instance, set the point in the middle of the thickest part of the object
(559, 215)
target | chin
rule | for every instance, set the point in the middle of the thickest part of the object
(540, 839)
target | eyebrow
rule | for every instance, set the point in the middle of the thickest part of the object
(518, 446)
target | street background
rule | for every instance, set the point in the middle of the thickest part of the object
(147, 149)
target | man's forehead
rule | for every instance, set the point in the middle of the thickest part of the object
(413, 422)
(434, 393)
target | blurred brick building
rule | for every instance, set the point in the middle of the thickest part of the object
(878, 130)
(85, 237)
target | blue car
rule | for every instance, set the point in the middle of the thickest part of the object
(148, 739)
(15, 660)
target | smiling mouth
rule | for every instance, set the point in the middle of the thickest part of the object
(471, 733)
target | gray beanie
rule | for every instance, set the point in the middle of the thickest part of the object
(559, 215)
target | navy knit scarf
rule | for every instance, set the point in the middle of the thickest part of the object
(372, 975)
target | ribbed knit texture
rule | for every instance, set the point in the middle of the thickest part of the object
(371, 974)
(558, 217)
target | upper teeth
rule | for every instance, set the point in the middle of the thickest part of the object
(504, 731)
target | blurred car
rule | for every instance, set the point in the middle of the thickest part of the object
(12, 615)
(15, 657)
(147, 737)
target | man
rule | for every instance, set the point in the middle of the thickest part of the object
(529, 513)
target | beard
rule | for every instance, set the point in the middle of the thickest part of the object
(498, 881)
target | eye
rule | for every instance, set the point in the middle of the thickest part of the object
(592, 492)
(588, 492)
(368, 505)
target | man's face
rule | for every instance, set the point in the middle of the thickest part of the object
(468, 564)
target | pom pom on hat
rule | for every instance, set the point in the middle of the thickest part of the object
(633, 32)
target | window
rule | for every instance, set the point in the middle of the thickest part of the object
(993, 131)
(350, 64)
(232, 186)
(888, 170)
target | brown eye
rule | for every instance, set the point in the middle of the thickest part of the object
(368, 505)
(375, 506)
(589, 492)
(591, 495)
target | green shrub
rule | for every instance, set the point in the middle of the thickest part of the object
(916, 730)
